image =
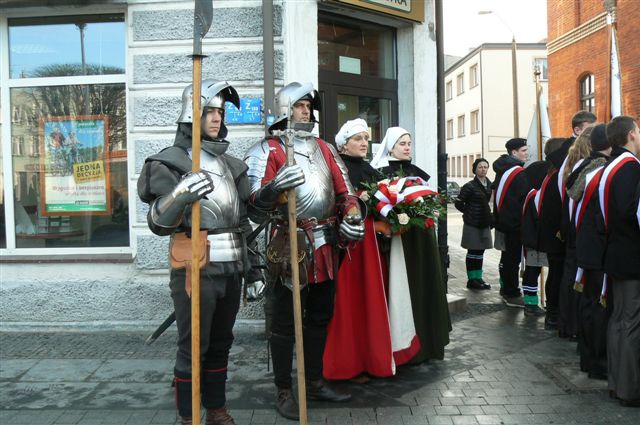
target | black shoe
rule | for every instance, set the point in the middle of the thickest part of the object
(550, 322)
(475, 284)
(485, 285)
(322, 390)
(286, 405)
(513, 301)
(630, 403)
(533, 310)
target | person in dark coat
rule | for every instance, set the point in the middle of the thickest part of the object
(473, 203)
(511, 188)
(541, 175)
(617, 189)
(592, 316)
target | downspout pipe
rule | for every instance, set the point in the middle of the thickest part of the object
(268, 54)
(442, 148)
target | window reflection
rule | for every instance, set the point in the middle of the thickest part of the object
(66, 46)
(70, 166)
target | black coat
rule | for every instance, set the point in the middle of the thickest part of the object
(622, 255)
(360, 171)
(407, 168)
(473, 203)
(509, 217)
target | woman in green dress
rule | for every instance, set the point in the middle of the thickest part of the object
(425, 274)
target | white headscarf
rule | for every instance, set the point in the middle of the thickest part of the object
(350, 128)
(392, 135)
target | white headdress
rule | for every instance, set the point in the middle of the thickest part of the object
(350, 128)
(392, 135)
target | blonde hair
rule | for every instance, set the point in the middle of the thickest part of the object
(580, 149)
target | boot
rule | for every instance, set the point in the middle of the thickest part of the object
(182, 386)
(186, 421)
(213, 388)
(219, 417)
(323, 390)
(533, 310)
(287, 405)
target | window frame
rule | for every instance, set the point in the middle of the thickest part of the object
(462, 119)
(460, 84)
(7, 84)
(474, 80)
(587, 100)
(450, 133)
(474, 113)
(542, 74)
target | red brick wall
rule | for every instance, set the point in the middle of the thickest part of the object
(590, 55)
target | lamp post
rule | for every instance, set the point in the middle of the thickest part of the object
(514, 71)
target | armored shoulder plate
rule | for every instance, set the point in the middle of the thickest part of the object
(256, 159)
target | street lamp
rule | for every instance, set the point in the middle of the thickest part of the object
(514, 70)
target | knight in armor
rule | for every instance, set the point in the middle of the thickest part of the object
(328, 216)
(169, 186)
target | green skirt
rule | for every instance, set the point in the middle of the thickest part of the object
(428, 293)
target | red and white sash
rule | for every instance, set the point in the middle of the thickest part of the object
(533, 193)
(605, 182)
(572, 203)
(505, 182)
(543, 189)
(591, 183)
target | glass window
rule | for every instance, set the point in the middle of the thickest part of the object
(66, 45)
(460, 84)
(475, 121)
(355, 47)
(540, 64)
(449, 129)
(473, 76)
(461, 126)
(587, 93)
(449, 90)
(70, 166)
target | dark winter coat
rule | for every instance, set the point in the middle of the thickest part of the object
(406, 167)
(509, 217)
(360, 171)
(473, 203)
(622, 255)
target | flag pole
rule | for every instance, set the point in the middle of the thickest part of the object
(202, 18)
(536, 73)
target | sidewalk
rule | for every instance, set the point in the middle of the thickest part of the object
(500, 368)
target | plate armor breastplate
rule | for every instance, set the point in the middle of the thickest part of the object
(220, 209)
(316, 197)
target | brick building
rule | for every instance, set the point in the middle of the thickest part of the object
(579, 58)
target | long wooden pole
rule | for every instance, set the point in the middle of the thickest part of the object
(539, 142)
(195, 248)
(295, 277)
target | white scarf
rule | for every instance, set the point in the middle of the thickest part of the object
(381, 159)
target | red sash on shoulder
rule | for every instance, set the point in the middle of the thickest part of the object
(592, 182)
(605, 182)
(505, 183)
(533, 193)
(543, 189)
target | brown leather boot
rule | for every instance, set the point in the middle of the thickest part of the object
(219, 417)
(286, 404)
(186, 421)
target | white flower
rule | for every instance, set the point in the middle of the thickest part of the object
(418, 200)
(364, 196)
(403, 219)
(436, 213)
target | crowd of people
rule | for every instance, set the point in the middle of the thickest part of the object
(576, 212)
(372, 299)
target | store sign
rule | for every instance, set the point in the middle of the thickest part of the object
(407, 9)
(74, 177)
(250, 111)
(395, 4)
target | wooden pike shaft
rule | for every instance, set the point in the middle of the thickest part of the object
(195, 248)
(295, 277)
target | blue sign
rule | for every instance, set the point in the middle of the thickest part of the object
(250, 111)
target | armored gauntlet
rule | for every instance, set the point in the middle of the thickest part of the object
(167, 211)
(288, 177)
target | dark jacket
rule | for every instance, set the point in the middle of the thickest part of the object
(406, 168)
(360, 171)
(508, 218)
(622, 255)
(473, 203)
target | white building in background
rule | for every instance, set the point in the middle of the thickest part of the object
(479, 103)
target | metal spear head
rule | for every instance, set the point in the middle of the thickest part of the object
(202, 18)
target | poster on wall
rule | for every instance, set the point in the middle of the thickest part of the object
(75, 165)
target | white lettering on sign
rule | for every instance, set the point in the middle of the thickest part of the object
(404, 5)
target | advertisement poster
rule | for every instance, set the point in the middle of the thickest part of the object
(75, 165)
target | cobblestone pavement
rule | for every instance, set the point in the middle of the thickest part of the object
(500, 368)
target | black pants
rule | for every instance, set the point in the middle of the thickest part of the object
(317, 301)
(219, 304)
(552, 284)
(592, 324)
(509, 265)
